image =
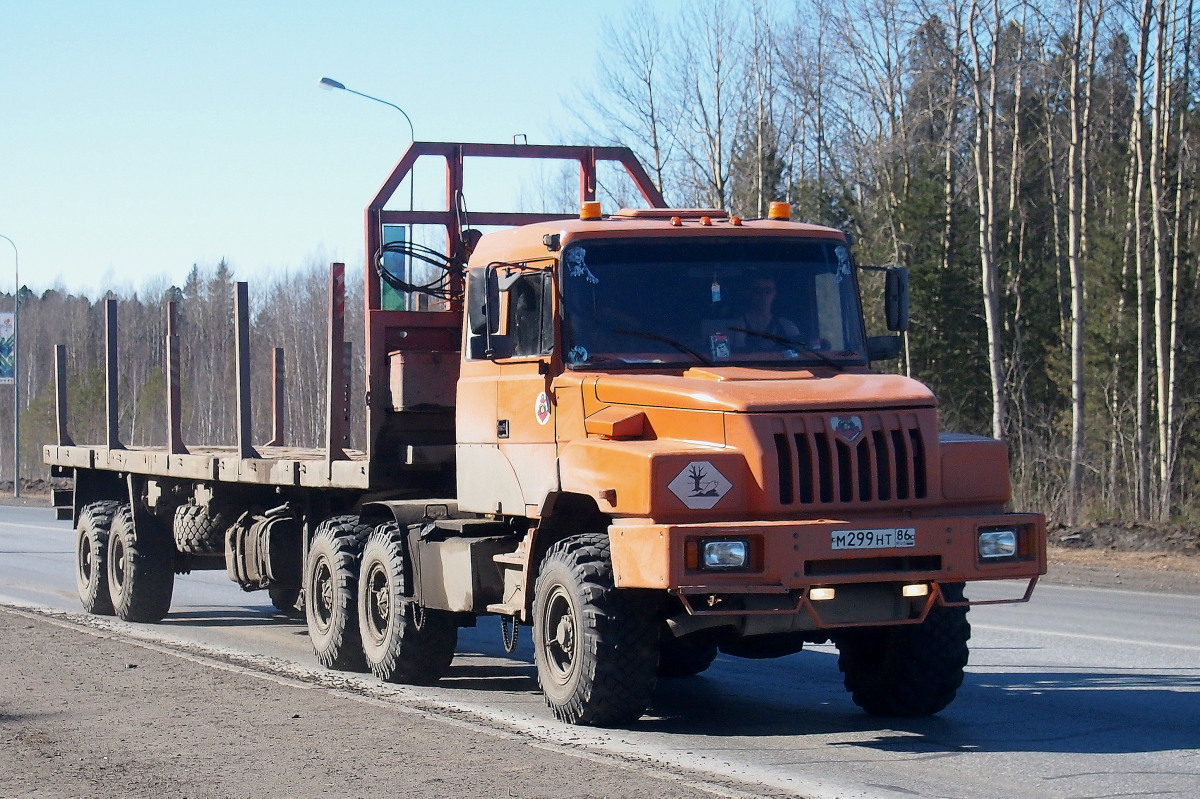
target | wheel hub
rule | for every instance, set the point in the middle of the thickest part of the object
(379, 610)
(86, 563)
(118, 556)
(323, 596)
(560, 634)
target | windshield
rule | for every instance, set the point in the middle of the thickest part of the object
(688, 301)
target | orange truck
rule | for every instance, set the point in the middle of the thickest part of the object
(652, 436)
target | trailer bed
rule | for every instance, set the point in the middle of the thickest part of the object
(281, 466)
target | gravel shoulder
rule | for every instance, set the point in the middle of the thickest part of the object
(86, 713)
(1133, 571)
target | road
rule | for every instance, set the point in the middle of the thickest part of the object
(1079, 693)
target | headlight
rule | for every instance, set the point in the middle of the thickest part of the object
(997, 544)
(725, 554)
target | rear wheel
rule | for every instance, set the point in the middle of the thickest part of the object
(91, 556)
(911, 670)
(596, 647)
(330, 591)
(141, 568)
(402, 641)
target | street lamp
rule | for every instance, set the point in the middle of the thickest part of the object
(331, 84)
(16, 369)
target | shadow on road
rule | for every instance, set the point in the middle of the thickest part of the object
(1084, 711)
(245, 616)
(1093, 712)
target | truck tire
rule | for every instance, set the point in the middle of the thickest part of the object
(141, 568)
(199, 530)
(684, 657)
(403, 642)
(908, 671)
(331, 593)
(91, 556)
(596, 647)
(284, 599)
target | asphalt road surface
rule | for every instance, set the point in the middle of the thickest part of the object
(1080, 693)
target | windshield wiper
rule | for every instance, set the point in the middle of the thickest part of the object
(787, 342)
(670, 342)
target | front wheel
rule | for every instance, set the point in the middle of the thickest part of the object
(403, 642)
(912, 670)
(595, 646)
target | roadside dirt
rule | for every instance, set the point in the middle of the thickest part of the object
(84, 712)
(1116, 554)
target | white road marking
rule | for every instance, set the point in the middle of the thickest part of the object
(1082, 636)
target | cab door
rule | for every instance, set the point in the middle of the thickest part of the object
(507, 457)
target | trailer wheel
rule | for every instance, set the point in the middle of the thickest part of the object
(908, 671)
(596, 647)
(91, 556)
(403, 642)
(684, 657)
(141, 568)
(330, 591)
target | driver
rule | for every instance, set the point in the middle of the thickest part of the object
(759, 317)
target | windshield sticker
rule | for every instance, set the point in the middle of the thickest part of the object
(575, 259)
(700, 486)
(541, 408)
(843, 256)
(718, 345)
(577, 354)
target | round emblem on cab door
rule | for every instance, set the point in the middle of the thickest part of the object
(541, 408)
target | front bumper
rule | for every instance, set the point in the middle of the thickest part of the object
(789, 558)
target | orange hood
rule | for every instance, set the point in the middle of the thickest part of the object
(744, 390)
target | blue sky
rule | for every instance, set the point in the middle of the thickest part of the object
(138, 138)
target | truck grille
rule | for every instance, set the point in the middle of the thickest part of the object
(885, 461)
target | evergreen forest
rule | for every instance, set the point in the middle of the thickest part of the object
(1034, 165)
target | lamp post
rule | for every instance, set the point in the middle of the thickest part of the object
(331, 84)
(16, 369)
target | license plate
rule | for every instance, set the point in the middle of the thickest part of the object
(879, 538)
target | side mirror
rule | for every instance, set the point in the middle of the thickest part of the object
(884, 348)
(896, 299)
(477, 301)
(483, 315)
(483, 302)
